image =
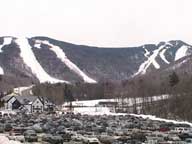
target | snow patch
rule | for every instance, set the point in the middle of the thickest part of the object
(93, 110)
(169, 44)
(160, 119)
(129, 101)
(62, 56)
(181, 52)
(154, 55)
(147, 53)
(92, 107)
(5, 140)
(89, 103)
(162, 55)
(37, 44)
(6, 41)
(1, 71)
(31, 61)
(19, 90)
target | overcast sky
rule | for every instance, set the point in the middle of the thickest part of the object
(99, 22)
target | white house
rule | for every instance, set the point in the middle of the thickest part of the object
(8, 101)
(29, 104)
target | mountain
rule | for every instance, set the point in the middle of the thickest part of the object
(42, 59)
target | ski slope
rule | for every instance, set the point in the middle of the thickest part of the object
(151, 60)
(1, 71)
(62, 56)
(181, 52)
(162, 55)
(31, 61)
(37, 44)
(6, 41)
(147, 53)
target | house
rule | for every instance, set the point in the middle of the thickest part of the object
(29, 104)
(112, 105)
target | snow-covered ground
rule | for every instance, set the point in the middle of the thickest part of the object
(181, 52)
(129, 101)
(8, 112)
(6, 41)
(89, 103)
(1, 71)
(152, 58)
(162, 55)
(147, 53)
(62, 56)
(19, 90)
(31, 61)
(5, 140)
(93, 110)
(161, 119)
(37, 44)
(91, 106)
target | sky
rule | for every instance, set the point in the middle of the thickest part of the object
(108, 23)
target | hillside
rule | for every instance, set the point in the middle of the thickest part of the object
(42, 59)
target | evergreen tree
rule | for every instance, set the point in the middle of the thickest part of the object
(68, 95)
(173, 79)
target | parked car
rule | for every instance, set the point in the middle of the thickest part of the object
(30, 136)
(188, 140)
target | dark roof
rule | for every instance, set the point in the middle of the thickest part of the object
(7, 97)
(44, 99)
(107, 103)
(26, 99)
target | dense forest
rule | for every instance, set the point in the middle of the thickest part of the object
(178, 106)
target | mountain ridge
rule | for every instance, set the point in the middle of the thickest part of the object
(43, 59)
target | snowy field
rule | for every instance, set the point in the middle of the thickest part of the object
(5, 140)
(90, 107)
(161, 119)
(128, 101)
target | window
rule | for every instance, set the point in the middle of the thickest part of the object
(33, 109)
